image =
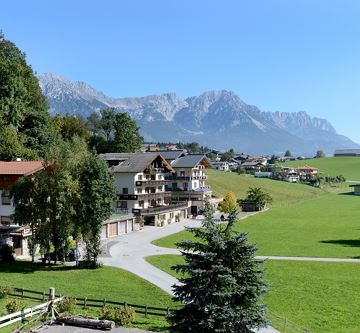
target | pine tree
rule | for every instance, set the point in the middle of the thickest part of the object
(223, 284)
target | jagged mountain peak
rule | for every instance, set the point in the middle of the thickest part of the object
(216, 118)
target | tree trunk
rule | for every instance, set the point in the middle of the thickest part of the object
(84, 322)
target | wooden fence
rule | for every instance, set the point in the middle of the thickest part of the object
(92, 302)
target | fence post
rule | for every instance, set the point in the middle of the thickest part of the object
(51, 299)
(43, 296)
(85, 299)
(285, 324)
(22, 292)
(146, 311)
(168, 312)
(104, 302)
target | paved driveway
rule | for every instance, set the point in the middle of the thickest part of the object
(128, 251)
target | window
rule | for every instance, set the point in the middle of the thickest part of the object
(5, 220)
(139, 177)
(5, 197)
(5, 178)
(141, 203)
(182, 173)
(153, 177)
(125, 190)
(139, 190)
(185, 185)
(122, 204)
(160, 188)
(159, 177)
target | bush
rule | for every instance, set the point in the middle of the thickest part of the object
(14, 305)
(121, 316)
(67, 304)
(5, 290)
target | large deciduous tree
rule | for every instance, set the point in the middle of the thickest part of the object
(114, 132)
(97, 193)
(22, 104)
(223, 283)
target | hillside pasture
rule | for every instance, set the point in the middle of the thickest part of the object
(349, 167)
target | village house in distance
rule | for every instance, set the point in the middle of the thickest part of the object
(155, 188)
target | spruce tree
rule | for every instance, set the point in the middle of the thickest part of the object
(222, 285)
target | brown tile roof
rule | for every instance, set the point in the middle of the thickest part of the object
(23, 168)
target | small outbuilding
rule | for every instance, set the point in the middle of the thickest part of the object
(356, 189)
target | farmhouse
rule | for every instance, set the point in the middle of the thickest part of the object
(12, 234)
(347, 152)
(220, 165)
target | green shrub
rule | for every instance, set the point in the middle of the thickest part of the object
(120, 315)
(14, 305)
(67, 304)
(5, 290)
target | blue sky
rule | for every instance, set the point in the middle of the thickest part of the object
(281, 55)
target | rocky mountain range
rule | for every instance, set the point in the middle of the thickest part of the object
(218, 119)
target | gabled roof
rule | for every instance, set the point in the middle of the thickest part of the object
(138, 162)
(20, 168)
(189, 161)
(171, 155)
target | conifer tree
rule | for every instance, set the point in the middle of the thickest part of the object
(223, 284)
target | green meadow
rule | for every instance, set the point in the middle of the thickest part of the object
(332, 166)
(104, 283)
(320, 296)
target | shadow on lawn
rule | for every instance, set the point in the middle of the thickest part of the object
(27, 267)
(343, 242)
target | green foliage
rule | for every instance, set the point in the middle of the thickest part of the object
(229, 204)
(70, 126)
(97, 193)
(67, 304)
(23, 108)
(120, 315)
(5, 290)
(320, 154)
(14, 305)
(257, 197)
(222, 284)
(114, 132)
(288, 153)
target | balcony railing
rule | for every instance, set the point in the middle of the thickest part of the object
(159, 209)
(149, 182)
(122, 211)
(186, 178)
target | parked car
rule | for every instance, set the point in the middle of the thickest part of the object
(70, 256)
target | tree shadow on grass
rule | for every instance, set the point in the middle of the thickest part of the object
(343, 242)
(27, 267)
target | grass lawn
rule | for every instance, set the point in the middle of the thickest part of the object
(103, 283)
(283, 193)
(324, 297)
(327, 226)
(333, 166)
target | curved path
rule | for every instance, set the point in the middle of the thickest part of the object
(128, 252)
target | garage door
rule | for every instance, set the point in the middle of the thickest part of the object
(129, 225)
(112, 229)
(123, 227)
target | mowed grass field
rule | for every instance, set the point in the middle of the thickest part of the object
(283, 193)
(325, 226)
(103, 283)
(332, 166)
(323, 297)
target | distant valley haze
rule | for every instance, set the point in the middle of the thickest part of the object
(217, 118)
